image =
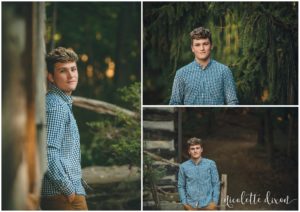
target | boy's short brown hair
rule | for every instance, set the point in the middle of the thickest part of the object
(199, 33)
(194, 141)
(60, 55)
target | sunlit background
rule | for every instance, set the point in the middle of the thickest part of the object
(106, 37)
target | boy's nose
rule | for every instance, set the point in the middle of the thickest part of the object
(70, 74)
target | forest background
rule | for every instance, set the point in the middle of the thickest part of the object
(257, 40)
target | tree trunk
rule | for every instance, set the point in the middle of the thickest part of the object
(121, 74)
(269, 138)
(290, 134)
(261, 131)
(211, 121)
(179, 135)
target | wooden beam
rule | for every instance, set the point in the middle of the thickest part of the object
(159, 144)
(158, 158)
(159, 125)
(159, 109)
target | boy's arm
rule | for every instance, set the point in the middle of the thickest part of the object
(182, 186)
(177, 91)
(230, 89)
(215, 183)
(56, 119)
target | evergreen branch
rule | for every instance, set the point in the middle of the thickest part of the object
(277, 21)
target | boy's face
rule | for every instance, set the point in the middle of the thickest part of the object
(201, 48)
(195, 151)
(65, 76)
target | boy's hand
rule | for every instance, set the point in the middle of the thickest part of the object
(188, 207)
(71, 197)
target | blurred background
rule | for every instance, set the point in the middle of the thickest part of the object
(106, 37)
(257, 148)
(257, 40)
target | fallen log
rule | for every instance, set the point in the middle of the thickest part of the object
(101, 175)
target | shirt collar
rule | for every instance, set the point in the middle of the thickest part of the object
(192, 162)
(198, 65)
(56, 90)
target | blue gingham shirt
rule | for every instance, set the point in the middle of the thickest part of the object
(63, 175)
(213, 85)
(198, 184)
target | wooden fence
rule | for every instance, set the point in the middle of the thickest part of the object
(162, 143)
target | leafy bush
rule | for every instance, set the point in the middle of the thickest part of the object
(116, 140)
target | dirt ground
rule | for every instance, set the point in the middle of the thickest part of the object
(234, 148)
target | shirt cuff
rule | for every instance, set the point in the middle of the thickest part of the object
(68, 190)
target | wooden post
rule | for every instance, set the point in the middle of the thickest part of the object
(23, 40)
(179, 124)
(14, 107)
(223, 192)
(38, 92)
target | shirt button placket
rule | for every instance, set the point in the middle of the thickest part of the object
(201, 91)
(198, 183)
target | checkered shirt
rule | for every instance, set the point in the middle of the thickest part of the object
(213, 85)
(63, 175)
(198, 184)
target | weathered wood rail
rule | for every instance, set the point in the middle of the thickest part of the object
(101, 106)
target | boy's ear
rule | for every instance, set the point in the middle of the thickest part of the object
(50, 77)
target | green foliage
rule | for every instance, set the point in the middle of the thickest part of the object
(131, 95)
(267, 63)
(116, 140)
(151, 175)
(257, 40)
